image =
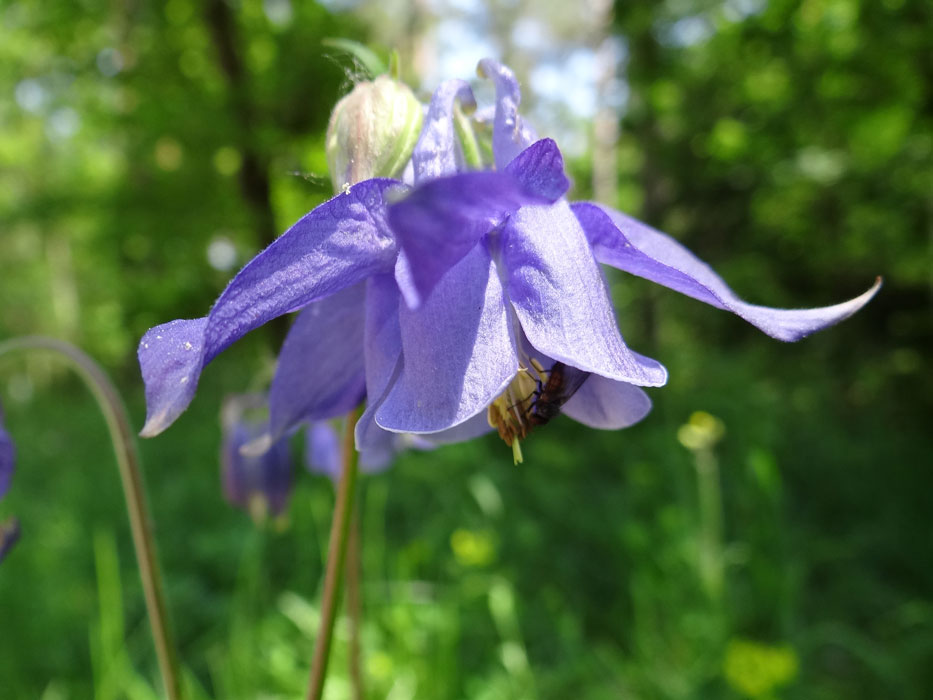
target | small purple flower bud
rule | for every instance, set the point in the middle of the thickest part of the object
(372, 132)
(258, 483)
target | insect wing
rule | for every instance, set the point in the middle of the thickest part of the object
(562, 383)
(573, 379)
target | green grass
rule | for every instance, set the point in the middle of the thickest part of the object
(575, 574)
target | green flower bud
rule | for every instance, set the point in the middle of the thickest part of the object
(372, 132)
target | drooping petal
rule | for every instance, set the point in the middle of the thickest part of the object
(336, 245)
(627, 244)
(320, 373)
(509, 136)
(441, 221)
(437, 152)
(560, 297)
(7, 457)
(606, 404)
(458, 351)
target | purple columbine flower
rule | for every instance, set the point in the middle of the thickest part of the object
(497, 294)
(473, 299)
(259, 484)
(337, 265)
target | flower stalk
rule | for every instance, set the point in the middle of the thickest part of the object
(128, 462)
(700, 435)
(336, 555)
(355, 606)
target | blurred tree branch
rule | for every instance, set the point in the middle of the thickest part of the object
(254, 173)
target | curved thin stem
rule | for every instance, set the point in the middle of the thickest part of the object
(336, 556)
(124, 446)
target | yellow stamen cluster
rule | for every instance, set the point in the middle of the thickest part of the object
(509, 413)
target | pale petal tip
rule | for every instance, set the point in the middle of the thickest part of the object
(842, 312)
(870, 293)
(155, 424)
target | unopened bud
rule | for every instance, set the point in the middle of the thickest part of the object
(372, 132)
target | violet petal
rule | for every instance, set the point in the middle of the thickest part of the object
(336, 245)
(383, 352)
(320, 372)
(627, 244)
(458, 351)
(440, 221)
(509, 135)
(606, 404)
(540, 170)
(437, 152)
(561, 299)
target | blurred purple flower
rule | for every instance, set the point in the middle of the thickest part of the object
(9, 530)
(464, 298)
(7, 457)
(259, 484)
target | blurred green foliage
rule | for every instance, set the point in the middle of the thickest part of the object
(789, 143)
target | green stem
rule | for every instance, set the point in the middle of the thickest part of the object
(124, 446)
(355, 605)
(336, 556)
(710, 502)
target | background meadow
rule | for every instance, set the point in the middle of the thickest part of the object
(764, 533)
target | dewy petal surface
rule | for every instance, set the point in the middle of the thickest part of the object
(606, 404)
(627, 244)
(441, 221)
(437, 152)
(458, 351)
(336, 245)
(320, 373)
(560, 297)
(509, 134)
